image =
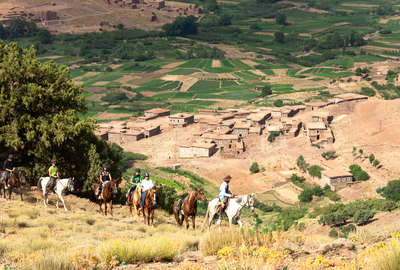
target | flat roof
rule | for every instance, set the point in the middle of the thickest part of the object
(317, 104)
(157, 110)
(348, 96)
(336, 173)
(181, 115)
(321, 113)
(316, 125)
(258, 116)
(203, 145)
(241, 125)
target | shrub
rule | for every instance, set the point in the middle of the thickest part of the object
(348, 229)
(363, 216)
(367, 91)
(281, 19)
(336, 218)
(301, 163)
(315, 171)
(279, 37)
(166, 196)
(317, 191)
(278, 103)
(392, 191)
(358, 173)
(371, 158)
(329, 155)
(306, 195)
(333, 233)
(376, 163)
(115, 97)
(298, 181)
(266, 90)
(272, 136)
(254, 168)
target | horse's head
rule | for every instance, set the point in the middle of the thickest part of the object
(114, 187)
(153, 197)
(70, 184)
(200, 195)
(250, 202)
(22, 176)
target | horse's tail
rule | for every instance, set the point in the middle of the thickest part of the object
(207, 216)
(39, 183)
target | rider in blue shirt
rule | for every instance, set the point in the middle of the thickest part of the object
(224, 193)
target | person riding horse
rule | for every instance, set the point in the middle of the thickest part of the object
(135, 180)
(224, 194)
(147, 184)
(54, 175)
(105, 176)
(8, 167)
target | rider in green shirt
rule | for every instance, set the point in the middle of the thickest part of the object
(135, 180)
(54, 175)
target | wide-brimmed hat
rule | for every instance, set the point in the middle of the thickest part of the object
(227, 178)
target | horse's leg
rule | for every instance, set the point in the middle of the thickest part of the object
(62, 200)
(20, 194)
(101, 209)
(45, 198)
(152, 217)
(9, 193)
(230, 221)
(239, 222)
(111, 208)
(105, 207)
(194, 222)
(144, 215)
(187, 222)
(210, 218)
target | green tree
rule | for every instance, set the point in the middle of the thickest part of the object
(392, 191)
(315, 171)
(281, 19)
(94, 168)
(358, 173)
(254, 168)
(279, 37)
(272, 136)
(301, 163)
(329, 154)
(278, 103)
(225, 20)
(306, 195)
(39, 117)
(44, 37)
(363, 216)
(182, 26)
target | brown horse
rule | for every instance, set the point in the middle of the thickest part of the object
(149, 206)
(133, 200)
(15, 182)
(188, 207)
(107, 195)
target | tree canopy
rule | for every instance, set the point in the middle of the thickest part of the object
(39, 118)
(182, 26)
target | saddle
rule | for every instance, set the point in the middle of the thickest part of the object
(180, 202)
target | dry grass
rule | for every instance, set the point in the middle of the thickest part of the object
(47, 238)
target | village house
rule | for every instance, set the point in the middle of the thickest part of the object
(291, 126)
(181, 119)
(258, 119)
(276, 113)
(197, 150)
(337, 178)
(157, 112)
(322, 116)
(124, 136)
(142, 119)
(314, 130)
(241, 129)
(151, 131)
(274, 127)
(223, 141)
(255, 131)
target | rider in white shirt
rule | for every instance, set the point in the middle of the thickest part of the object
(147, 184)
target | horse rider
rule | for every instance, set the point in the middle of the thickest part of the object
(8, 167)
(135, 180)
(147, 184)
(224, 194)
(54, 175)
(105, 176)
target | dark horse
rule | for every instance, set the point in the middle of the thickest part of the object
(107, 195)
(149, 206)
(15, 182)
(188, 206)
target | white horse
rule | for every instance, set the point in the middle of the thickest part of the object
(233, 211)
(62, 184)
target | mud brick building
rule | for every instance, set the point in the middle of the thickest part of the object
(181, 119)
